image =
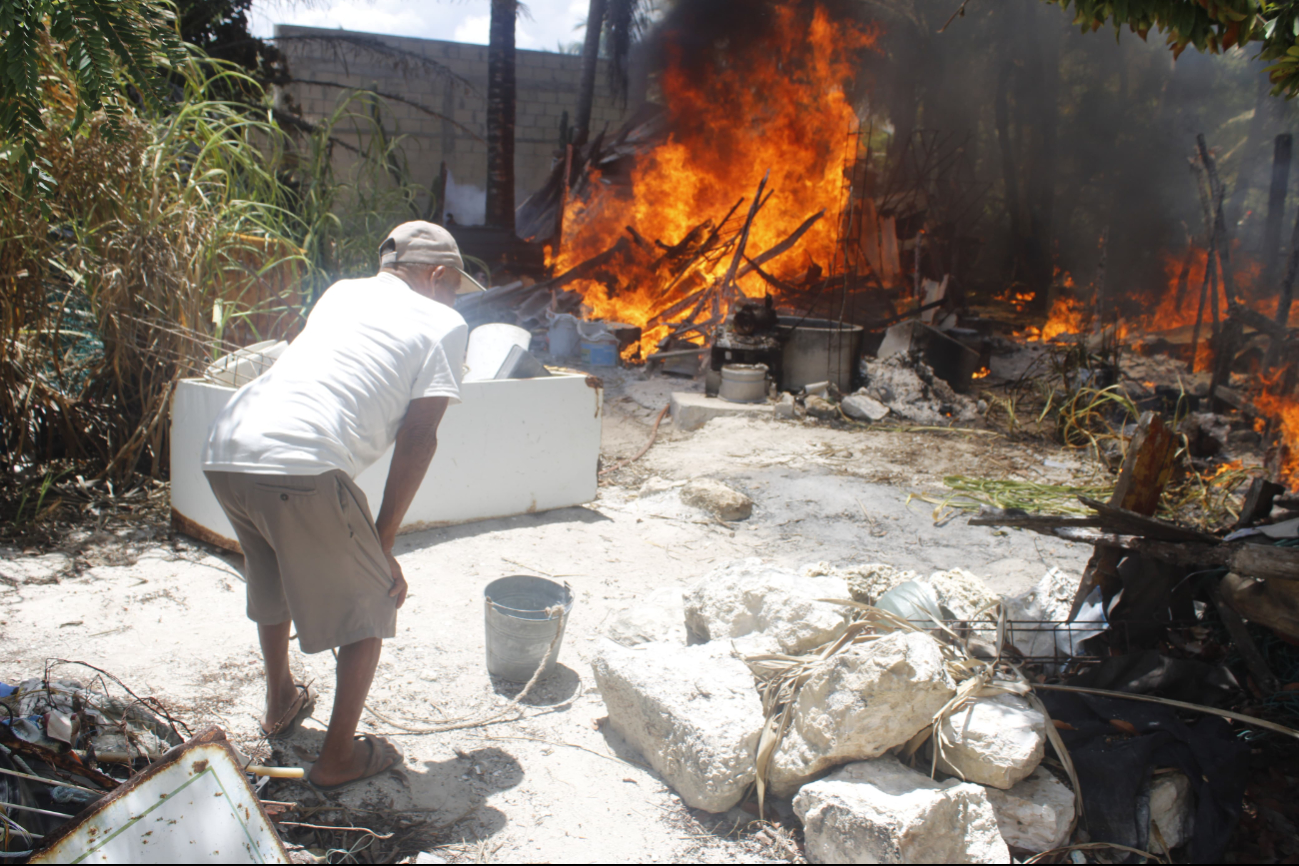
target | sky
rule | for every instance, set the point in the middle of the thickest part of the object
(546, 23)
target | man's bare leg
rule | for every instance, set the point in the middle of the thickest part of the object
(280, 690)
(339, 762)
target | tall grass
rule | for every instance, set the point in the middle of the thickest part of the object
(206, 227)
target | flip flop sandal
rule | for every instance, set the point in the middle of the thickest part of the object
(381, 760)
(301, 708)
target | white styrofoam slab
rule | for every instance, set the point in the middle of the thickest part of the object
(512, 446)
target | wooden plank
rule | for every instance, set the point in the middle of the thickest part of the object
(1146, 471)
(1265, 561)
(1032, 521)
(1258, 501)
(1130, 522)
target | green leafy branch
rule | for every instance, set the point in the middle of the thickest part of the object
(104, 44)
(1210, 26)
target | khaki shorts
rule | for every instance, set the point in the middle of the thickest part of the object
(311, 554)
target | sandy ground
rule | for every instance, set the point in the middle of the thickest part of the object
(556, 786)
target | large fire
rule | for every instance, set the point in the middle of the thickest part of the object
(775, 105)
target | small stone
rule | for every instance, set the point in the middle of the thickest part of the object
(859, 704)
(862, 408)
(692, 712)
(882, 812)
(426, 857)
(1035, 814)
(717, 499)
(777, 607)
(994, 741)
(819, 407)
(1170, 809)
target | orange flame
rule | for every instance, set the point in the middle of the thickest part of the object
(1286, 411)
(780, 105)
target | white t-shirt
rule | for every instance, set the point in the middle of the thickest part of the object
(335, 398)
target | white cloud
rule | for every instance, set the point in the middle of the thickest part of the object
(473, 29)
(551, 23)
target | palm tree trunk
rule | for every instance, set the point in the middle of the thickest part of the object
(590, 62)
(501, 93)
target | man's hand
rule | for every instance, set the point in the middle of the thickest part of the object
(399, 585)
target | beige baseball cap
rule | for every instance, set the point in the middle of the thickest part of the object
(426, 243)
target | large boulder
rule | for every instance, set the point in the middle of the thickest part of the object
(1036, 814)
(778, 608)
(658, 618)
(692, 712)
(858, 704)
(993, 741)
(717, 499)
(882, 812)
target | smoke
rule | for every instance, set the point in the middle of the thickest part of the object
(1069, 137)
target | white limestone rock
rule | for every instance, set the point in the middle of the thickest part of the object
(860, 703)
(994, 741)
(659, 618)
(717, 499)
(962, 593)
(692, 712)
(778, 608)
(1170, 809)
(1036, 814)
(1048, 601)
(863, 408)
(882, 812)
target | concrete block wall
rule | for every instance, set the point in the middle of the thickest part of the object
(547, 87)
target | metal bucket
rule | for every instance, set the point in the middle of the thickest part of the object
(519, 629)
(818, 350)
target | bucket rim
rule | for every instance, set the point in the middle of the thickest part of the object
(565, 585)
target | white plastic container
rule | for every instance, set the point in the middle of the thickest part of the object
(489, 346)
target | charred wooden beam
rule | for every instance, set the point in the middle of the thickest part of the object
(1132, 523)
(1258, 501)
(1146, 471)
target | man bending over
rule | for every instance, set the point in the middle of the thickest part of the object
(377, 364)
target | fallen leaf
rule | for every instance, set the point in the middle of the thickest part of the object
(1125, 727)
(1062, 726)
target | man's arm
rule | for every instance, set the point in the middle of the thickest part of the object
(417, 441)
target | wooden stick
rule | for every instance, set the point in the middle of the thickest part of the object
(57, 783)
(782, 247)
(1151, 699)
(729, 280)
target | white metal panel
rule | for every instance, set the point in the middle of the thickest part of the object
(196, 806)
(513, 446)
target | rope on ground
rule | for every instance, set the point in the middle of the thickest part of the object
(511, 709)
(648, 445)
